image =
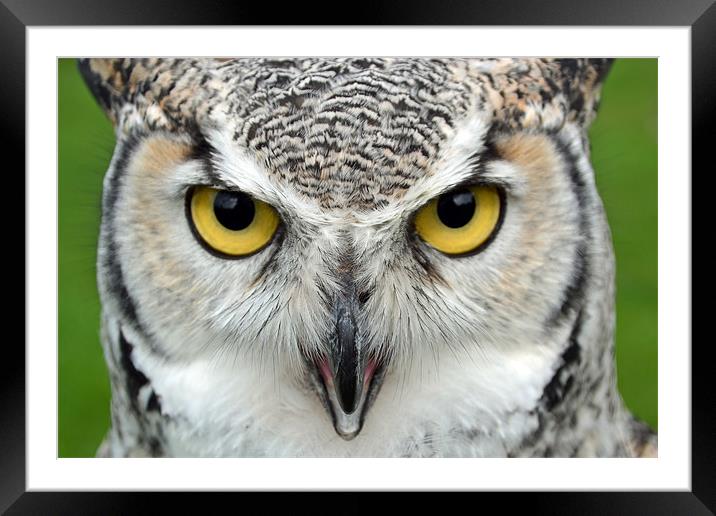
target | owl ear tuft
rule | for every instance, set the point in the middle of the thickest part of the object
(158, 93)
(108, 80)
(582, 83)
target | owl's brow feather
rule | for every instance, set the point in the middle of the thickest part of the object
(478, 173)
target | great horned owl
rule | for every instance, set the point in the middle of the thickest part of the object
(357, 257)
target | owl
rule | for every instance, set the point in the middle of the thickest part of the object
(357, 258)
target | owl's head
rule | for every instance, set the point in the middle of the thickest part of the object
(342, 223)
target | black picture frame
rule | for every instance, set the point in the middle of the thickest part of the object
(700, 15)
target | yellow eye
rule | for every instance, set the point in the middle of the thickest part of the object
(231, 223)
(460, 221)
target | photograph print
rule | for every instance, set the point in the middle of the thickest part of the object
(357, 257)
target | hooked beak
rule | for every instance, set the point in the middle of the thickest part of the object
(348, 409)
(350, 381)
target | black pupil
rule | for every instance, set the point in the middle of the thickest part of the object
(234, 210)
(456, 209)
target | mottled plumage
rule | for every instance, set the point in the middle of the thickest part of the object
(507, 351)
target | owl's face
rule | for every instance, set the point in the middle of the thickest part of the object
(339, 226)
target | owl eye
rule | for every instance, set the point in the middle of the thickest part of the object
(460, 221)
(231, 223)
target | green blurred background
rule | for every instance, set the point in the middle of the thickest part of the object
(624, 154)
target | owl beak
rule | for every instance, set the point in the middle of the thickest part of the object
(349, 395)
(350, 380)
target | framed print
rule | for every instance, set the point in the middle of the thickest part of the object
(359, 258)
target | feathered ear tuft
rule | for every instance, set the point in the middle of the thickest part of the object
(158, 93)
(108, 80)
(582, 83)
(101, 77)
